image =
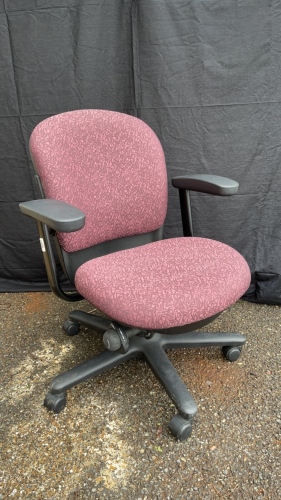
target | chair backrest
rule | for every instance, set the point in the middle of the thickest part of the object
(108, 164)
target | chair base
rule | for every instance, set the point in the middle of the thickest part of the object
(151, 348)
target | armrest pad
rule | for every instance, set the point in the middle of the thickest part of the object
(58, 215)
(205, 183)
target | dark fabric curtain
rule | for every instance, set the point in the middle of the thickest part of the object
(205, 75)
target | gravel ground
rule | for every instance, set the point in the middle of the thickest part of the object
(112, 441)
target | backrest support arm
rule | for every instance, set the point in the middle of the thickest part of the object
(186, 214)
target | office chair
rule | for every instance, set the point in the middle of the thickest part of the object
(103, 182)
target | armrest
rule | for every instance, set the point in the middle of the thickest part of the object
(203, 183)
(206, 183)
(58, 215)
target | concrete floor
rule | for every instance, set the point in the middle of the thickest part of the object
(112, 439)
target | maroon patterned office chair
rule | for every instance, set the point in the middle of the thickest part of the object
(103, 182)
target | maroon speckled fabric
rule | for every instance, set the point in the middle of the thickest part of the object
(165, 284)
(112, 166)
(108, 164)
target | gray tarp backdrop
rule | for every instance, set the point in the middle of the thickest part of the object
(204, 74)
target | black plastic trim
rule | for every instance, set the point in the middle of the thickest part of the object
(206, 183)
(58, 215)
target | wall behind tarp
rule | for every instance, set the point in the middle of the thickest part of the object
(204, 74)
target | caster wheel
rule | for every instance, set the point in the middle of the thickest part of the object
(55, 402)
(232, 353)
(180, 427)
(71, 328)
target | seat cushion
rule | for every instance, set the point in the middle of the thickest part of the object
(165, 284)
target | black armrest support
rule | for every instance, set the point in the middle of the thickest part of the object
(206, 183)
(58, 215)
(202, 183)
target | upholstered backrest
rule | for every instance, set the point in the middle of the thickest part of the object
(108, 164)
